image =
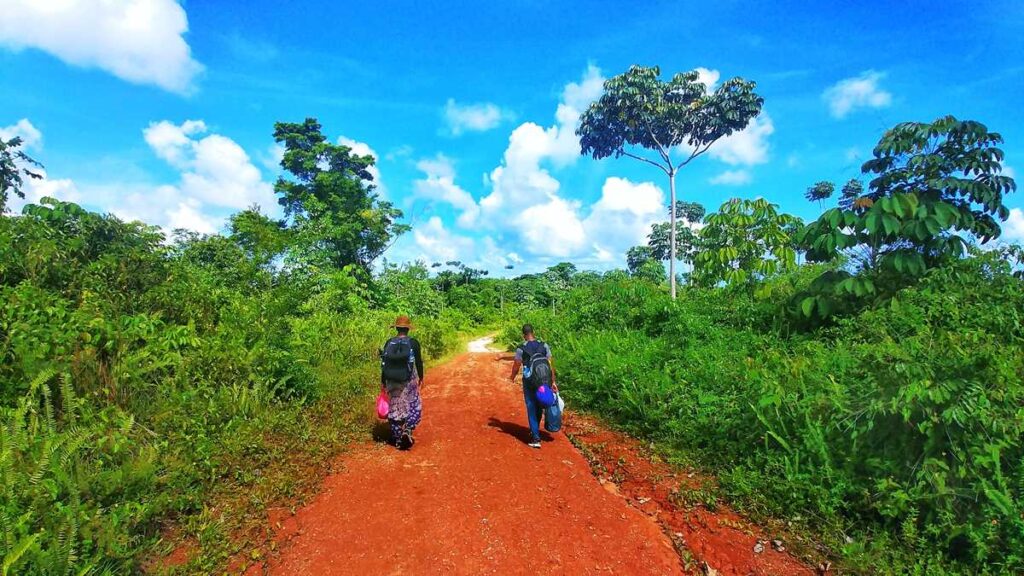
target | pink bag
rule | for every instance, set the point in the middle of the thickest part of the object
(382, 404)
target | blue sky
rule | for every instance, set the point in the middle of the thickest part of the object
(163, 111)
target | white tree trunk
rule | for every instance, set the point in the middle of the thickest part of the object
(672, 234)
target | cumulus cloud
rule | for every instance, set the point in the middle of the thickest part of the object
(534, 221)
(140, 41)
(437, 243)
(31, 137)
(746, 147)
(439, 184)
(1013, 228)
(526, 206)
(623, 216)
(708, 77)
(362, 149)
(188, 215)
(215, 170)
(479, 117)
(552, 229)
(36, 189)
(732, 178)
(861, 91)
(524, 195)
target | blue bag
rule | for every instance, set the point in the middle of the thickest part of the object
(553, 415)
(545, 396)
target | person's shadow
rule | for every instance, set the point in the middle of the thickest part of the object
(382, 432)
(517, 431)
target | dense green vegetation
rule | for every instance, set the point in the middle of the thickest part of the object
(874, 397)
(860, 375)
(145, 379)
(899, 426)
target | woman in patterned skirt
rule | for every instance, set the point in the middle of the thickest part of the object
(402, 376)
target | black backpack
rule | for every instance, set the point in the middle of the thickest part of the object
(396, 360)
(535, 358)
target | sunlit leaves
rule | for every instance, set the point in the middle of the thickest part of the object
(637, 109)
(934, 188)
(335, 216)
(744, 241)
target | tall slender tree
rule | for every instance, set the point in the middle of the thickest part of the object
(639, 111)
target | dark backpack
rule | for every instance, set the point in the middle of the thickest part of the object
(538, 366)
(396, 360)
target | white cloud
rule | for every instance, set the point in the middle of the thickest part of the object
(525, 205)
(1008, 171)
(552, 228)
(746, 147)
(524, 195)
(36, 189)
(271, 157)
(439, 184)
(708, 77)
(473, 117)
(214, 169)
(141, 41)
(623, 216)
(171, 142)
(215, 177)
(852, 154)
(188, 215)
(437, 243)
(858, 92)
(30, 136)
(732, 178)
(1013, 228)
(362, 149)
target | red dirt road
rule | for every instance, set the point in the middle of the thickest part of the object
(471, 498)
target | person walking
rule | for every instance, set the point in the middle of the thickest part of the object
(401, 375)
(529, 356)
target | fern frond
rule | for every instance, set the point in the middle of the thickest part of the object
(16, 553)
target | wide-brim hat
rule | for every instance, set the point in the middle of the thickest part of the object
(403, 322)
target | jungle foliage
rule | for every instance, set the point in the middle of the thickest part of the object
(145, 379)
(871, 395)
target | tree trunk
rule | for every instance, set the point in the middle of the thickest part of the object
(672, 234)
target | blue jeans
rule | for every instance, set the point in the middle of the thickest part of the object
(533, 412)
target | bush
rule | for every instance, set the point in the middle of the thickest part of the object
(138, 380)
(901, 425)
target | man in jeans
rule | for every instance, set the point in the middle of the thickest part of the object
(526, 351)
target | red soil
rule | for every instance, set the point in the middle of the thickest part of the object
(472, 498)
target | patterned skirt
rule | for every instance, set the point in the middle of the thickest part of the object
(405, 406)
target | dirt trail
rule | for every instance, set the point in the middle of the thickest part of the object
(471, 497)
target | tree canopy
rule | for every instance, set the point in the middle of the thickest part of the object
(745, 240)
(935, 187)
(638, 110)
(337, 217)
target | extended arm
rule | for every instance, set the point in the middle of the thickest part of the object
(517, 364)
(515, 370)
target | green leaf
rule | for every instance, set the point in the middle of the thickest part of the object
(807, 306)
(890, 223)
